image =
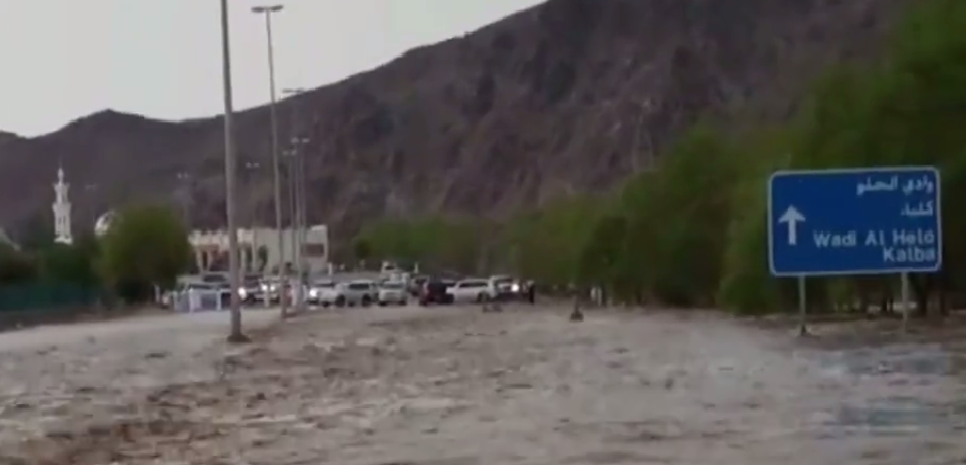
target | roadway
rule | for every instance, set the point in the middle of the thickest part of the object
(454, 386)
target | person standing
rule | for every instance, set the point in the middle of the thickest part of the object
(532, 292)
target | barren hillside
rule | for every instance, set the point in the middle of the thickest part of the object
(571, 95)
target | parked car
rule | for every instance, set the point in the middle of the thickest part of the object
(472, 290)
(273, 288)
(251, 289)
(393, 292)
(361, 292)
(293, 287)
(436, 291)
(416, 284)
(322, 293)
(506, 288)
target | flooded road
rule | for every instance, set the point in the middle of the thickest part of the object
(453, 386)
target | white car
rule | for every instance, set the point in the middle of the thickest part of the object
(362, 293)
(393, 292)
(472, 290)
(322, 293)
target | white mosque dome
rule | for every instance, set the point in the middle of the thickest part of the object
(103, 223)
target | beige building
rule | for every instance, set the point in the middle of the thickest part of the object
(259, 248)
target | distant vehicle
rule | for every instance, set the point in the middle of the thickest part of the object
(436, 291)
(251, 289)
(355, 293)
(214, 278)
(272, 287)
(472, 290)
(389, 267)
(393, 292)
(293, 287)
(507, 288)
(416, 284)
(322, 293)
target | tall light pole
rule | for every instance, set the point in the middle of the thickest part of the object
(298, 227)
(234, 279)
(185, 180)
(268, 11)
(90, 191)
(298, 181)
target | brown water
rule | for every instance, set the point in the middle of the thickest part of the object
(453, 386)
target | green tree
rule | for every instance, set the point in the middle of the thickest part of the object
(146, 246)
(361, 249)
(688, 243)
(75, 264)
(434, 242)
(38, 231)
(15, 266)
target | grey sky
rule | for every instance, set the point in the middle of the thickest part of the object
(63, 59)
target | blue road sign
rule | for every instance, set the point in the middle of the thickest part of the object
(855, 221)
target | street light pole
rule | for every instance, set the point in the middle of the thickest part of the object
(185, 180)
(89, 190)
(298, 227)
(234, 280)
(298, 184)
(268, 10)
(251, 220)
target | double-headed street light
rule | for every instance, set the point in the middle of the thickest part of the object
(268, 11)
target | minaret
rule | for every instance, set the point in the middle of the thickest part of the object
(61, 210)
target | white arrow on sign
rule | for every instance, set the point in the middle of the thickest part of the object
(792, 217)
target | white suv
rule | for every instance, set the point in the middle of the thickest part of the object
(322, 293)
(393, 292)
(353, 293)
(472, 290)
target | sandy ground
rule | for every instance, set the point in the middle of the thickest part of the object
(453, 386)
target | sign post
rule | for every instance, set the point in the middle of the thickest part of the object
(802, 307)
(852, 222)
(905, 301)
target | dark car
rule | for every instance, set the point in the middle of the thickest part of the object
(435, 292)
(416, 285)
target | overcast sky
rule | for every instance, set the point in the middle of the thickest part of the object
(62, 59)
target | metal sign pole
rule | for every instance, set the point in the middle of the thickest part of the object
(905, 301)
(802, 306)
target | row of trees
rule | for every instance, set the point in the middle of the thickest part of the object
(693, 232)
(146, 246)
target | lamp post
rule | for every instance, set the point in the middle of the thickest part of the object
(90, 191)
(234, 279)
(296, 166)
(268, 11)
(184, 179)
(298, 180)
(645, 108)
(249, 168)
(248, 250)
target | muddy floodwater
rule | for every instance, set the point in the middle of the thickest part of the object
(454, 386)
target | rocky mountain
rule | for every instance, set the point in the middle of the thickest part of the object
(568, 96)
(8, 137)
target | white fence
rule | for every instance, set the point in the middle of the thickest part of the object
(197, 300)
